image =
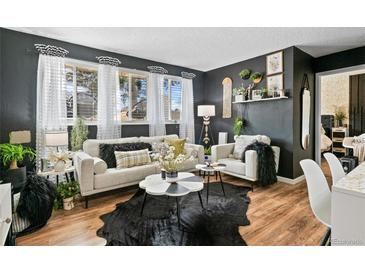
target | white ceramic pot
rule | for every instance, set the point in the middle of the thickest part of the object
(60, 166)
(68, 203)
(239, 98)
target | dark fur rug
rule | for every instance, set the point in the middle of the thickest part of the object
(215, 225)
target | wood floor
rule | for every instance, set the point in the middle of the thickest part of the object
(279, 215)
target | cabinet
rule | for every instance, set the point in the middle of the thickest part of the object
(5, 212)
(338, 134)
(357, 105)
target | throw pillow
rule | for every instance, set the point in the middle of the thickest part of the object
(106, 151)
(244, 140)
(178, 144)
(132, 158)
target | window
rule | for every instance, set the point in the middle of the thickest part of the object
(82, 92)
(172, 99)
(132, 96)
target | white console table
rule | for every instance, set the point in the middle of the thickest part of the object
(348, 209)
(5, 211)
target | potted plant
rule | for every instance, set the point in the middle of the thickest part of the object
(238, 126)
(245, 74)
(265, 93)
(59, 159)
(256, 77)
(78, 134)
(340, 115)
(66, 193)
(12, 154)
(239, 94)
(207, 153)
(169, 162)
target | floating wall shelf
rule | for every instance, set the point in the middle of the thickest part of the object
(261, 100)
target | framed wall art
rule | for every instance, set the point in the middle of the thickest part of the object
(274, 63)
(275, 85)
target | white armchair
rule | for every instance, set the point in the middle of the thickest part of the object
(235, 167)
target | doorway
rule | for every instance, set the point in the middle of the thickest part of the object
(334, 97)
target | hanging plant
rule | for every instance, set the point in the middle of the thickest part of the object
(256, 77)
(239, 125)
(245, 74)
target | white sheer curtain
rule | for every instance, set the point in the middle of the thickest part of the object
(155, 105)
(187, 129)
(51, 100)
(108, 119)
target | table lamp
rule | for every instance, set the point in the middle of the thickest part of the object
(206, 111)
(56, 139)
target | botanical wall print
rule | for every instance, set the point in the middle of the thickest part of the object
(275, 84)
(274, 63)
(227, 97)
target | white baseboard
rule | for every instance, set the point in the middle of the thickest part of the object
(291, 181)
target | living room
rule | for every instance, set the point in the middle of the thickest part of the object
(181, 136)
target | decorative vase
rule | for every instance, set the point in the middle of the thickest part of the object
(171, 176)
(68, 203)
(60, 166)
(239, 98)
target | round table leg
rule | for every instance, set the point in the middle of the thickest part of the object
(200, 199)
(208, 187)
(178, 211)
(144, 201)
(220, 178)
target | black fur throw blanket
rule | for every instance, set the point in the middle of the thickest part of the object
(266, 162)
(36, 201)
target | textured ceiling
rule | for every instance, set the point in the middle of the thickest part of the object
(206, 48)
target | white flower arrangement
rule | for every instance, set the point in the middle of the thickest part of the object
(165, 155)
(59, 156)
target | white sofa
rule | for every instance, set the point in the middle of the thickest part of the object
(235, 167)
(93, 181)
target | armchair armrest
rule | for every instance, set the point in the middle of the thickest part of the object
(84, 166)
(221, 151)
(251, 162)
(199, 149)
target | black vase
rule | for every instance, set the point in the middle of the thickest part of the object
(17, 177)
(171, 174)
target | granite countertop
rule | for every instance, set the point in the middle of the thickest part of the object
(354, 181)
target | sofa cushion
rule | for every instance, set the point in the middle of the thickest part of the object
(178, 144)
(107, 151)
(91, 146)
(233, 165)
(114, 177)
(132, 158)
(99, 165)
(243, 141)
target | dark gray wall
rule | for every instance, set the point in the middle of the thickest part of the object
(19, 61)
(271, 118)
(343, 59)
(303, 63)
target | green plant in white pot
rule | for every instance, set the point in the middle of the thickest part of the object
(78, 134)
(239, 94)
(66, 193)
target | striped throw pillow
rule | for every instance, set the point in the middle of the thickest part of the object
(132, 158)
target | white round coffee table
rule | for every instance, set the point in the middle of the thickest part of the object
(185, 183)
(215, 169)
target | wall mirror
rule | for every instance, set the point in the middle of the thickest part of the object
(306, 111)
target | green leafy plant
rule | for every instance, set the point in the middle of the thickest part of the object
(256, 77)
(239, 125)
(340, 115)
(239, 91)
(207, 150)
(64, 191)
(12, 154)
(78, 134)
(245, 74)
